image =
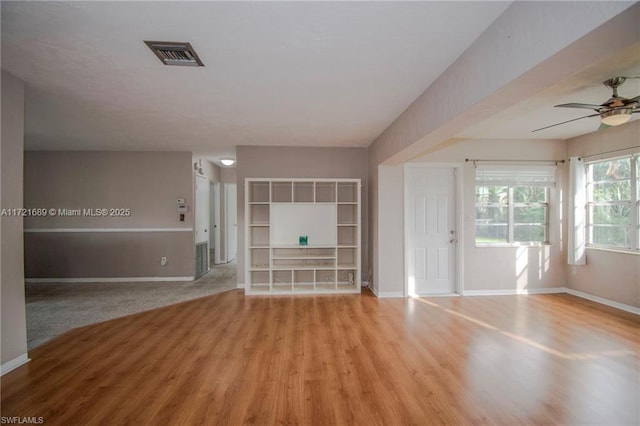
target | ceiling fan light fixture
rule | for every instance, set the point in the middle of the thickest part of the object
(227, 161)
(616, 117)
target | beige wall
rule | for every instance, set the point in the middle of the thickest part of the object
(500, 268)
(608, 274)
(14, 328)
(148, 183)
(299, 162)
(388, 277)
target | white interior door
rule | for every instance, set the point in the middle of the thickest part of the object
(231, 208)
(430, 231)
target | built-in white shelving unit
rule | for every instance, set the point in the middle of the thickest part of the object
(279, 211)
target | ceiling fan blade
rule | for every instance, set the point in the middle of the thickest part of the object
(603, 126)
(577, 105)
(632, 102)
(565, 122)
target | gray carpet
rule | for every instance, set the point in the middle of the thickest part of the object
(55, 308)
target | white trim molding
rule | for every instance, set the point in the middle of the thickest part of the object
(89, 230)
(514, 292)
(434, 295)
(604, 301)
(389, 294)
(109, 280)
(13, 364)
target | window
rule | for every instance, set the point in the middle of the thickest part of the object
(512, 204)
(613, 193)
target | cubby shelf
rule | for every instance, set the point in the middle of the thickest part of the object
(328, 212)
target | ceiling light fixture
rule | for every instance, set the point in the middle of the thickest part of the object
(616, 117)
(227, 161)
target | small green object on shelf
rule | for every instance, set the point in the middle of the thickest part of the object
(303, 240)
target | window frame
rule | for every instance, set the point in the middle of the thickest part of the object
(633, 203)
(511, 205)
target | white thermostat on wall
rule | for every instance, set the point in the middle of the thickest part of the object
(182, 207)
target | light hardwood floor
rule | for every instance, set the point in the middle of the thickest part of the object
(334, 360)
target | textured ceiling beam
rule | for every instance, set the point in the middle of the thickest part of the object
(530, 47)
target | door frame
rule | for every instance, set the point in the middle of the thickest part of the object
(199, 207)
(228, 221)
(216, 221)
(458, 169)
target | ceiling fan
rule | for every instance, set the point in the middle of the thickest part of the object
(613, 112)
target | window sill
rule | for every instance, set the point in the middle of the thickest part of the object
(613, 250)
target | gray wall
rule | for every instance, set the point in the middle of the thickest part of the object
(300, 162)
(14, 326)
(608, 274)
(146, 182)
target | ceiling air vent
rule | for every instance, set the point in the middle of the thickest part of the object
(175, 53)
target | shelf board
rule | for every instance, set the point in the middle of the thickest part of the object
(347, 224)
(262, 225)
(259, 268)
(352, 203)
(294, 246)
(303, 257)
(333, 290)
(303, 268)
(346, 246)
(264, 203)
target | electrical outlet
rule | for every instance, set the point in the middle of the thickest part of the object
(163, 261)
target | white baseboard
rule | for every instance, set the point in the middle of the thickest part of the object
(13, 364)
(109, 280)
(604, 301)
(241, 285)
(513, 292)
(436, 295)
(389, 294)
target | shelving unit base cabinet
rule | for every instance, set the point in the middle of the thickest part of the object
(323, 215)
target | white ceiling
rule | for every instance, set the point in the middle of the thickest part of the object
(291, 73)
(517, 121)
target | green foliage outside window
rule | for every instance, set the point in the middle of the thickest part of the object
(610, 205)
(508, 214)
